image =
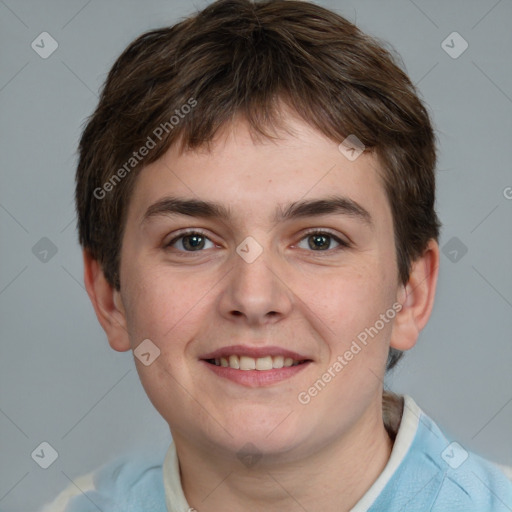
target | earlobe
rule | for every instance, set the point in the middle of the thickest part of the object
(107, 304)
(417, 299)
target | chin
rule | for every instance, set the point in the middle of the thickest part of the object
(265, 438)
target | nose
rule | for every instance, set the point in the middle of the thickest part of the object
(256, 292)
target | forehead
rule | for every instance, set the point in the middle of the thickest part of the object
(260, 177)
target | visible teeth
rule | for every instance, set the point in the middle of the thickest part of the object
(251, 363)
(264, 363)
(247, 363)
(278, 361)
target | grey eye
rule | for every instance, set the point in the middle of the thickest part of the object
(320, 241)
(190, 242)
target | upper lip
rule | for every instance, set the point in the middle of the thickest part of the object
(255, 352)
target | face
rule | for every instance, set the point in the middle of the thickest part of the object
(269, 278)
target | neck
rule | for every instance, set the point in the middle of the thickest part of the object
(332, 478)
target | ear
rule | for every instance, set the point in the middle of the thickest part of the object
(417, 299)
(107, 304)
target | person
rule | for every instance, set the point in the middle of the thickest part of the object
(256, 207)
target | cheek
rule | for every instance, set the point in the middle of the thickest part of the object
(164, 305)
(348, 302)
(150, 310)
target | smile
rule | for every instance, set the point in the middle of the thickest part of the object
(251, 363)
(255, 367)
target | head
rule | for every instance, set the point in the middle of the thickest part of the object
(245, 105)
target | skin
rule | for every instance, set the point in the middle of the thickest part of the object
(321, 456)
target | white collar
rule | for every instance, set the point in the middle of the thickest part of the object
(174, 497)
(404, 438)
(176, 501)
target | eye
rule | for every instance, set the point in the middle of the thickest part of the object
(195, 241)
(190, 241)
(321, 241)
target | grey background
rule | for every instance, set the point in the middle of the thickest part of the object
(59, 380)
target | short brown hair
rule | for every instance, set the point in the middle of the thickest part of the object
(238, 57)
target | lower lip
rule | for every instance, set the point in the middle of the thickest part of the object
(256, 378)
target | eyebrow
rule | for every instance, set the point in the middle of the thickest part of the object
(169, 206)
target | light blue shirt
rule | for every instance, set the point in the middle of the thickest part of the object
(426, 472)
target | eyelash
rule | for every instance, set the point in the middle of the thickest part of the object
(342, 243)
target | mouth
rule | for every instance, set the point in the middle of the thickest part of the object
(246, 363)
(255, 367)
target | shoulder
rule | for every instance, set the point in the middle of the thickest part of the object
(128, 483)
(478, 484)
(81, 484)
(462, 481)
(506, 470)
